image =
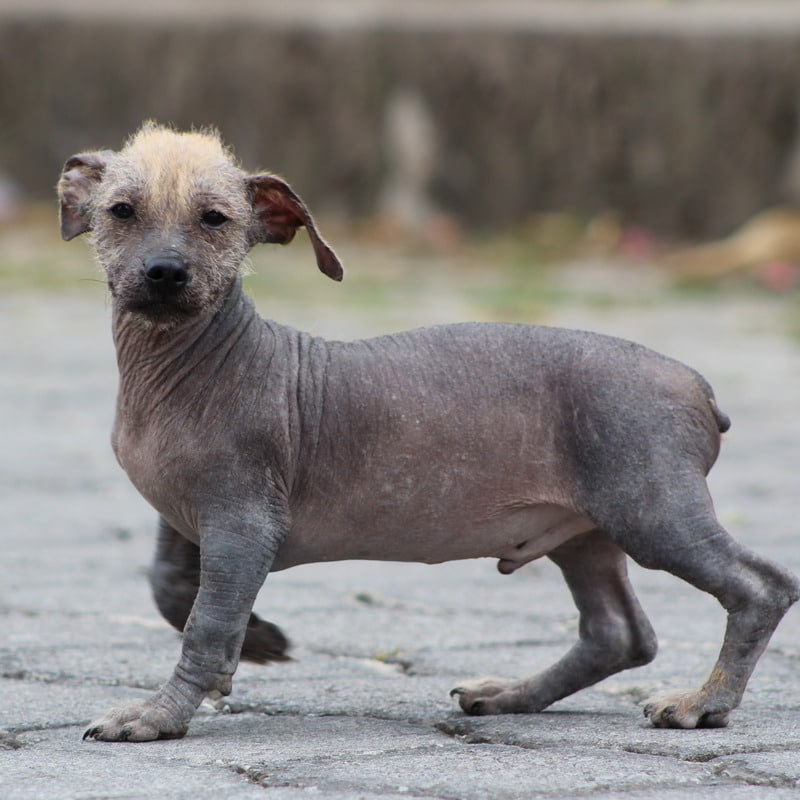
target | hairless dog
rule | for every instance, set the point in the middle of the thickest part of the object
(261, 447)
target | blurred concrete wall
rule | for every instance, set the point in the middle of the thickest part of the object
(682, 129)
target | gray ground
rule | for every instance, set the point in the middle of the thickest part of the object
(363, 711)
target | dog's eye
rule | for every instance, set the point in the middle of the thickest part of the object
(122, 210)
(213, 219)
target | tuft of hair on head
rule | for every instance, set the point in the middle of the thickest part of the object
(151, 127)
(152, 136)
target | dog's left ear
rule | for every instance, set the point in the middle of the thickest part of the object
(80, 175)
(279, 212)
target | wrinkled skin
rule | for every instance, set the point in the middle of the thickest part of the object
(262, 447)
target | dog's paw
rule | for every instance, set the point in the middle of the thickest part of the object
(686, 710)
(481, 696)
(264, 642)
(137, 722)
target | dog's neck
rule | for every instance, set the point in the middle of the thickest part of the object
(160, 364)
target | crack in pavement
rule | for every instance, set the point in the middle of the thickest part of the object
(737, 770)
(76, 680)
(719, 761)
(8, 741)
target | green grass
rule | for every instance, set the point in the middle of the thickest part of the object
(515, 276)
(497, 278)
(33, 256)
(402, 282)
(792, 316)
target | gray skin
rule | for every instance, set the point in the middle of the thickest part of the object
(262, 447)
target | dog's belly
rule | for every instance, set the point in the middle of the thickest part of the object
(515, 536)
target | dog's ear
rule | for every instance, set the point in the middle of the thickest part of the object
(80, 175)
(279, 212)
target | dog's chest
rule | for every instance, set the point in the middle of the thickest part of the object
(156, 461)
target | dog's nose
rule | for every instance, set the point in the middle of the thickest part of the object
(166, 272)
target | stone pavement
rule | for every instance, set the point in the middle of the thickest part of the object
(363, 710)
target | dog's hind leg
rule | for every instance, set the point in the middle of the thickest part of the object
(175, 580)
(679, 533)
(614, 633)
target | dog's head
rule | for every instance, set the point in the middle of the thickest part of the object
(172, 216)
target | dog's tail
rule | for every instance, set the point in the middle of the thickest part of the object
(723, 420)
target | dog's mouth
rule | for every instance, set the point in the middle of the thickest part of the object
(155, 305)
(158, 309)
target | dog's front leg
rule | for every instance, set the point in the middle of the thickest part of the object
(175, 581)
(235, 558)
